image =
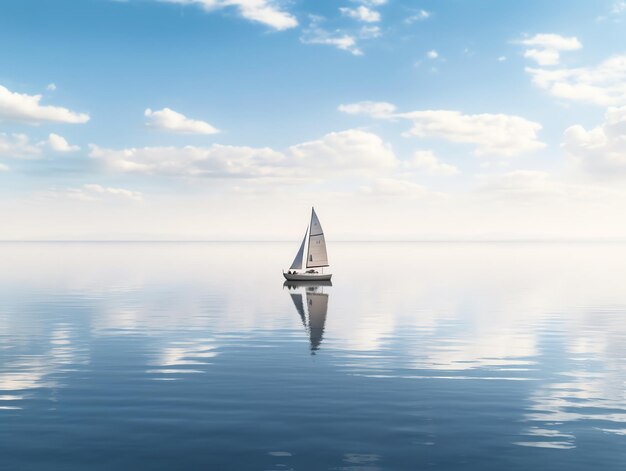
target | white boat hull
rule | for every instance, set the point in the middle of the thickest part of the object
(307, 276)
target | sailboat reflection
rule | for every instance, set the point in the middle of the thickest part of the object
(316, 308)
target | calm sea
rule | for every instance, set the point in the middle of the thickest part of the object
(419, 356)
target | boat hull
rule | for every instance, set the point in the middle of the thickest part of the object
(307, 276)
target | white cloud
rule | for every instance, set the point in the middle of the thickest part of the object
(376, 109)
(553, 41)
(26, 108)
(502, 59)
(427, 162)
(491, 134)
(60, 144)
(601, 150)
(18, 146)
(603, 85)
(51, 87)
(361, 13)
(4, 168)
(543, 56)
(545, 49)
(170, 120)
(353, 151)
(93, 193)
(432, 54)
(267, 12)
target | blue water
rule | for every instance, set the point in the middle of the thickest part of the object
(420, 356)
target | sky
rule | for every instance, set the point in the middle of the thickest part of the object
(229, 119)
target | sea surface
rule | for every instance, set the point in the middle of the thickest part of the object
(196, 356)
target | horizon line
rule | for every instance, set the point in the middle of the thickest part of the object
(442, 240)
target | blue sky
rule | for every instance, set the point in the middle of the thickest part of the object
(484, 118)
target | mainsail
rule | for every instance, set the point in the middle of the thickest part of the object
(317, 256)
(297, 262)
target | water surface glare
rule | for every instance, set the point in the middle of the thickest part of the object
(494, 356)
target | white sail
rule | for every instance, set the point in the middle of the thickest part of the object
(317, 256)
(297, 262)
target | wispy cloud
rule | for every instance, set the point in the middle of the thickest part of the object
(617, 11)
(18, 146)
(376, 109)
(344, 38)
(267, 12)
(545, 49)
(316, 34)
(421, 15)
(354, 151)
(361, 13)
(395, 187)
(93, 192)
(372, 3)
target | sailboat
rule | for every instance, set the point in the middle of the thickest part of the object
(316, 256)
